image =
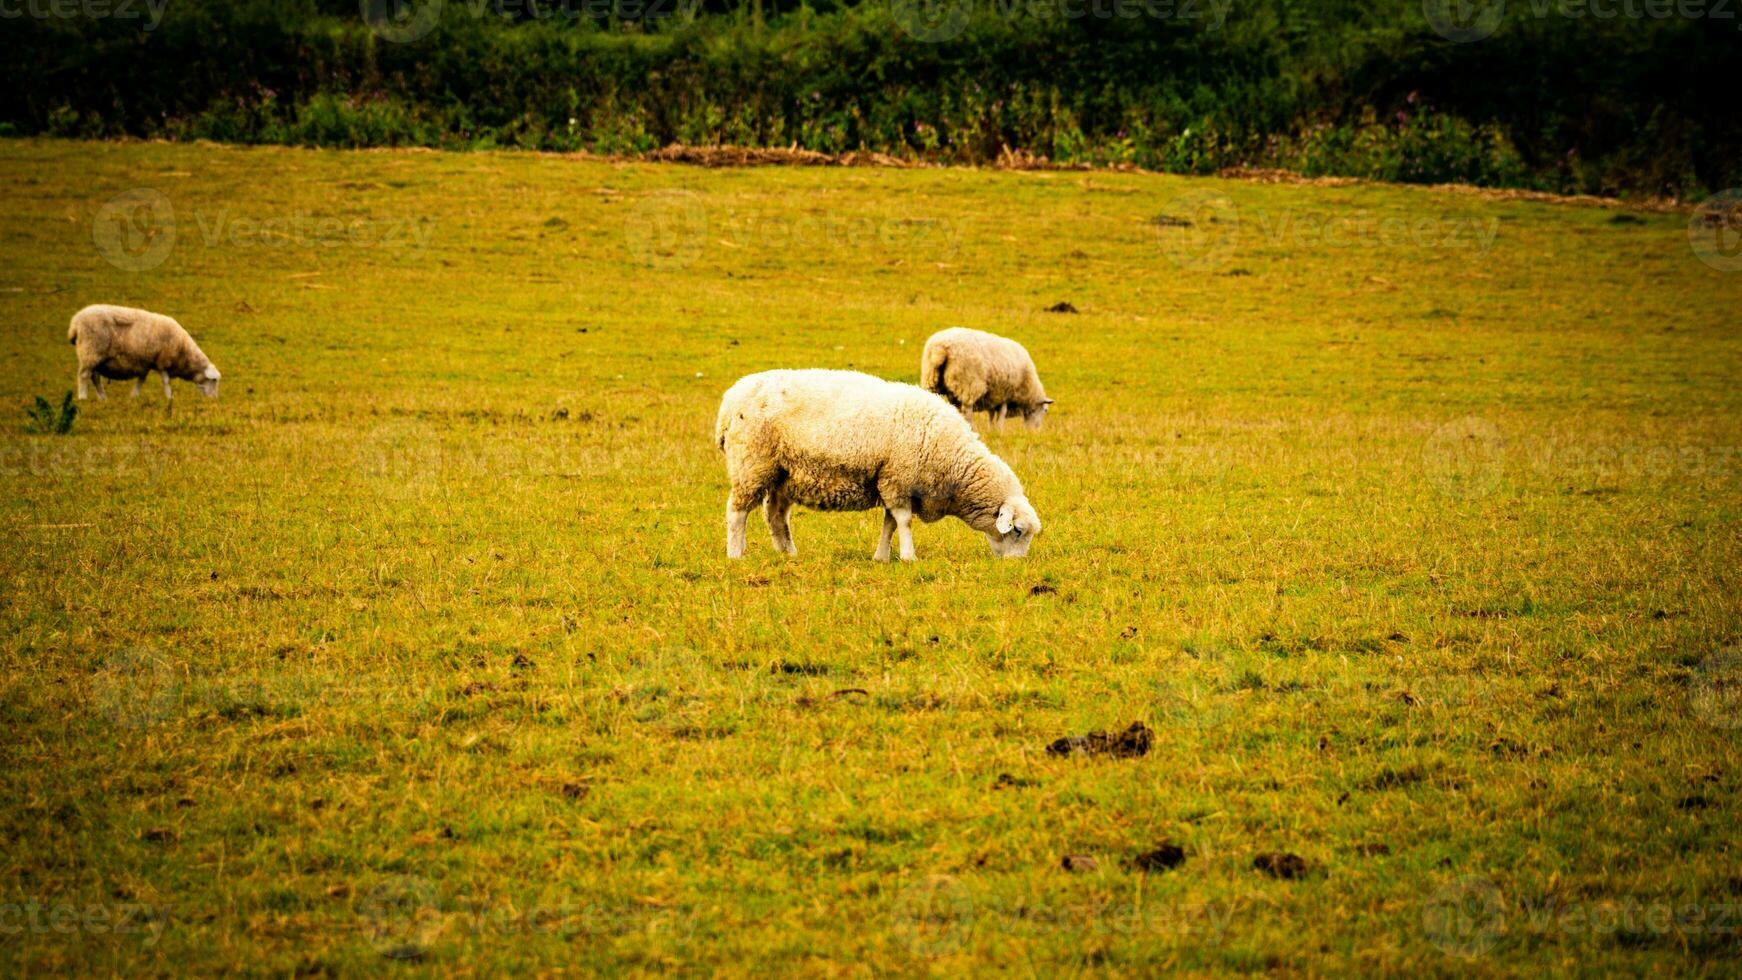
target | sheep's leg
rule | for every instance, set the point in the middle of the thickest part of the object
(102, 387)
(136, 383)
(84, 379)
(167, 394)
(882, 552)
(903, 528)
(999, 416)
(737, 519)
(775, 510)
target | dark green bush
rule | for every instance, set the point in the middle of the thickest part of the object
(46, 418)
(1324, 86)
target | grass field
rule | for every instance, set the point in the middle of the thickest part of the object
(1407, 519)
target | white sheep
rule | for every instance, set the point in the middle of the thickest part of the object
(978, 371)
(123, 343)
(841, 440)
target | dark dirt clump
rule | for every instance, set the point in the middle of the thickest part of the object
(1079, 863)
(1128, 744)
(1168, 855)
(1281, 865)
(1062, 306)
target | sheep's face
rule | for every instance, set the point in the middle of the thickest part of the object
(1015, 529)
(208, 381)
(1036, 415)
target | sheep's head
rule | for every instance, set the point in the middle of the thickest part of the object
(1015, 529)
(1036, 415)
(208, 381)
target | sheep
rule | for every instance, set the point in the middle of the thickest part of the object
(123, 343)
(983, 372)
(841, 440)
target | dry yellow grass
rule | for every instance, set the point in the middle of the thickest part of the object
(1408, 521)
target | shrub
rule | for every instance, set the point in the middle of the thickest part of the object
(48, 419)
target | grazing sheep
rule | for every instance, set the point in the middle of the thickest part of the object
(983, 372)
(123, 343)
(841, 440)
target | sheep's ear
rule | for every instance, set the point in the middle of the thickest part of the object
(1046, 401)
(212, 372)
(1006, 519)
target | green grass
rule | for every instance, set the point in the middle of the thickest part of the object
(418, 650)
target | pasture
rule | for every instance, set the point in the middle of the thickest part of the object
(1406, 519)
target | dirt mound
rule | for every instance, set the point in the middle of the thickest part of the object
(749, 156)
